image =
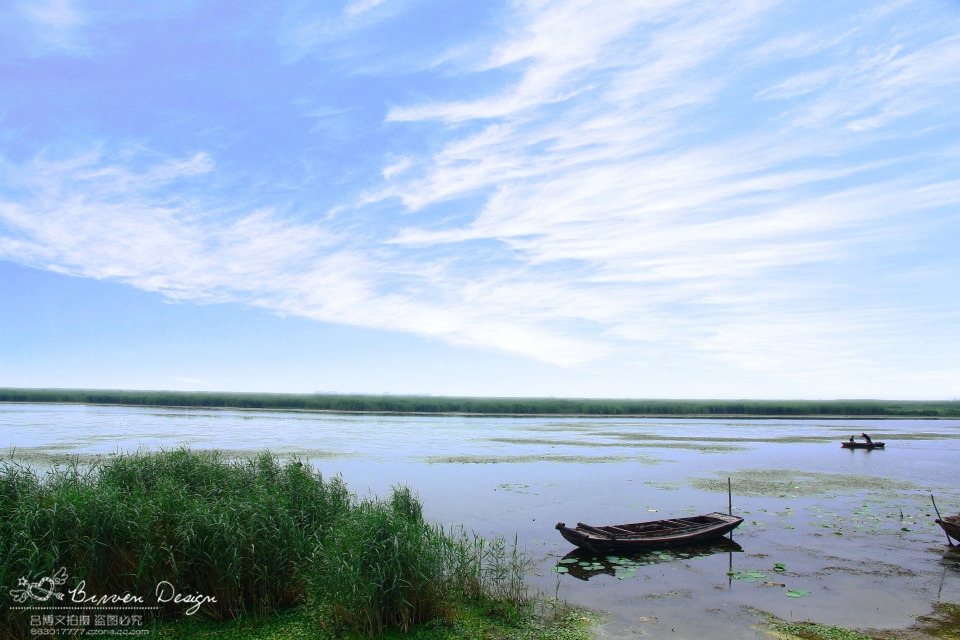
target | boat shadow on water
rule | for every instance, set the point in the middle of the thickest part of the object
(584, 565)
(951, 559)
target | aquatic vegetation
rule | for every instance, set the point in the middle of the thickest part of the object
(494, 406)
(517, 487)
(647, 443)
(795, 482)
(236, 530)
(255, 536)
(814, 631)
(384, 567)
(546, 619)
(748, 576)
(546, 457)
(584, 566)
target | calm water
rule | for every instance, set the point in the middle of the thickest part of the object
(854, 528)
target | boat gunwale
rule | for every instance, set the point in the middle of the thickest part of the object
(596, 539)
(950, 526)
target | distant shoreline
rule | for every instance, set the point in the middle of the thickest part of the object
(467, 406)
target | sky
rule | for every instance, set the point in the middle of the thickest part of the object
(571, 198)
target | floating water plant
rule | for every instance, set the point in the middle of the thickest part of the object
(748, 576)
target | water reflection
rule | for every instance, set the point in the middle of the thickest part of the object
(584, 565)
(951, 559)
(854, 533)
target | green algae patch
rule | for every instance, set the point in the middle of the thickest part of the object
(943, 623)
(793, 482)
(545, 620)
(692, 446)
(538, 457)
(693, 441)
(46, 457)
(676, 593)
(652, 443)
(813, 631)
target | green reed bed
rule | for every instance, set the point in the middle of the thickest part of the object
(256, 535)
(385, 567)
(492, 406)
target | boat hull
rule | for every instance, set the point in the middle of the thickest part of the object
(951, 526)
(649, 535)
(862, 445)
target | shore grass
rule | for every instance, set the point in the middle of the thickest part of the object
(942, 624)
(493, 406)
(545, 619)
(244, 540)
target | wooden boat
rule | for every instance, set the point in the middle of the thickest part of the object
(950, 526)
(862, 445)
(649, 535)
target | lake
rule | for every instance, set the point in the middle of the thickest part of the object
(853, 528)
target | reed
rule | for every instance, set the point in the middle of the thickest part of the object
(493, 406)
(258, 535)
(238, 531)
(385, 567)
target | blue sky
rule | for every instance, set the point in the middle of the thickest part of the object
(678, 199)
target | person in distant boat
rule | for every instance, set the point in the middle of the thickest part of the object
(867, 438)
(851, 438)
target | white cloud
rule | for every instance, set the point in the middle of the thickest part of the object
(643, 186)
(360, 6)
(617, 187)
(54, 25)
(396, 168)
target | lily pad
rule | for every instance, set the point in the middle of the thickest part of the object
(796, 593)
(561, 569)
(750, 576)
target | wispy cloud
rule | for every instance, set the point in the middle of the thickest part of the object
(686, 181)
(611, 165)
(94, 218)
(360, 6)
(52, 25)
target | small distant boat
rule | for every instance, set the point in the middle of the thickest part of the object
(649, 535)
(847, 444)
(950, 526)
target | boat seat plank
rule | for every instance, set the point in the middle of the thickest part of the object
(594, 530)
(621, 530)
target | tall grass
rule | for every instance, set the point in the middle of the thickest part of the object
(385, 567)
(238, 531)
(258, 535)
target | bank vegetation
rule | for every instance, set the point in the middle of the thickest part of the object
(492, 406)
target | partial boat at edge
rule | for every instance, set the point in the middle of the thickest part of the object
(950, 526)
